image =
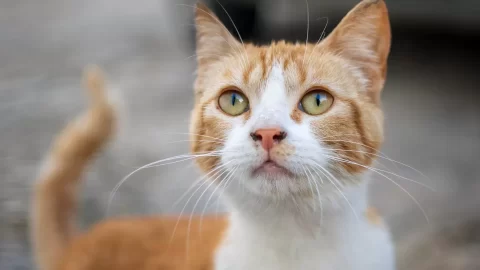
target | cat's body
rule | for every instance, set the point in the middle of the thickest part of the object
(286, 131)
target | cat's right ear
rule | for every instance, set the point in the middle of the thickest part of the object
(363, 37)
(213, 38)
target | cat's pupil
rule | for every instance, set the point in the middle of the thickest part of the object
(318, 99)
(234, 98)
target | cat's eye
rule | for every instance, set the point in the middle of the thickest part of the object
(233, 102)
(316, 102)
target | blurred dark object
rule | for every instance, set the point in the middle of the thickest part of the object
(461, 13)
(242, 13)
(264, 20)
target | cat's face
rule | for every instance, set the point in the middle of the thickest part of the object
(291, 118)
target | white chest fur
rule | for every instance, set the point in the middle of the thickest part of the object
(277, 240)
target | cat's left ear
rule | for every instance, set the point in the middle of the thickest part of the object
(213, 38)
(363, 37)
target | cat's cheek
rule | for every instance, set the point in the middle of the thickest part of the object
(209, 134)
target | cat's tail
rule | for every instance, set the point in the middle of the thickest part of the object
(55, 199)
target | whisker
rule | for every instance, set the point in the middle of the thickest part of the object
(376, 160)
(383, 155)
(387, 172)
(321, 179)
(319, 39)
(236, 29)
(309, 183)
(227, 177)
(318, 195)
(181, 213)
(180, 141)
(391, 180)
(121, 182)
(218, 21)
(308, 31)
(196, 182)
(195, 134)
(292, 196)
(227, 183)
(213, 154)
(185, 206)
(319, 200)
(212, 182)
(243, 63)
(323, 171)
(185, 159)
(200, 154)
(403, 164)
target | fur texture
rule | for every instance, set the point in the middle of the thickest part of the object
(310, 212)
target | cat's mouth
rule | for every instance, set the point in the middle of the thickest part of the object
(272, 169)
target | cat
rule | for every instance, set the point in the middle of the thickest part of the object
(287, 131)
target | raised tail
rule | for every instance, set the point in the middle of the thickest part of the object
(54, 201)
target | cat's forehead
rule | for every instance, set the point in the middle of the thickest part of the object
(300, 67)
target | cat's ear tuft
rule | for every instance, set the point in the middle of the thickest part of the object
(363, 37)
(213, 38)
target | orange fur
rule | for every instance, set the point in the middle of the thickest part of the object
(147, 243)
(373, 217)
(361, 122)
(54, 200)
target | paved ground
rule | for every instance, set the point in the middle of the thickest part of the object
(432, 123)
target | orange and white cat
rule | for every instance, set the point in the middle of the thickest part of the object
(287, 131)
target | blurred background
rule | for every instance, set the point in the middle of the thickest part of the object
(146, 48)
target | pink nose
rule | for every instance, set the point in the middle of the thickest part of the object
(268, 137)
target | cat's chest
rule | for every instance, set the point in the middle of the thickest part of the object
(238, 257)
(370, 250)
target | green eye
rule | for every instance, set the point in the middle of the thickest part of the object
(316, 102)
(233, 103)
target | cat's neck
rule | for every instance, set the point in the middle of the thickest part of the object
(282, 236)
(300, 215)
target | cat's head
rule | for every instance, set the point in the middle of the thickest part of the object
(278, 117)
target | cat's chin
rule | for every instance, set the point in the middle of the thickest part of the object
(271, 170)
(273, 181)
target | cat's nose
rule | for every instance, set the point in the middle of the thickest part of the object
(268, 137)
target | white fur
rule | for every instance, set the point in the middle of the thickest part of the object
(309, 222)
(273, 108)
(276, 238)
